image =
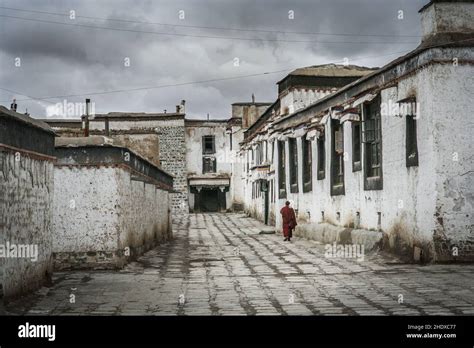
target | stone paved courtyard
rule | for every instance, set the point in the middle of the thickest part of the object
(220, 264)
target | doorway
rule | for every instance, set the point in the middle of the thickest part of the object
(209, 200)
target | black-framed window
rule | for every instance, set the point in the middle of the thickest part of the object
(293, 159)
(208, 144)
(411, 141)
(208, 165)
(321, 163)
(337, 158)
(307, 164)
(372, 138)
(281, 170)
(356, 146)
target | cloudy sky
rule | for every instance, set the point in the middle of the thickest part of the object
(148, 55)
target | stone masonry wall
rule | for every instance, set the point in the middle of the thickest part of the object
(173, 160)
(26, 189)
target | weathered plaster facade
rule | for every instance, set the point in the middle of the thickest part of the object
(26, 189)
(158, 137)
(208, 189)
(110, 205)
(421, 211)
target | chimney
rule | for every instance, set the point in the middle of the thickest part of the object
(253, 98)
(13, 106)
(178, 108)
(441, 17)
(86, 121)
(183, 103)
(107, 127)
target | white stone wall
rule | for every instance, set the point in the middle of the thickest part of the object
(85, 214)
(416, 203)
(194, 148)
(143, 214)
(100, 211)
(26, 188)
(170, 148)
(237, 165)
(452, 124)
(223, 155)
(298, 98)
(446, 17)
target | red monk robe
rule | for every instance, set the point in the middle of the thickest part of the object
(289, 220)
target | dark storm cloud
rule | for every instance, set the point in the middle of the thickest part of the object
(61, 59)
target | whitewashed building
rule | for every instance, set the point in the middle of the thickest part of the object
(214, 172)
(297, 90)
(383, 161)
(208, 165)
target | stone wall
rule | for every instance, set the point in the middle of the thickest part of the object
(169, 149)
(26, 189)
(109, 206)
(173, 161)
(428, 206)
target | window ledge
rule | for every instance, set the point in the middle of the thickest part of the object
(337, 190)
(373, 183)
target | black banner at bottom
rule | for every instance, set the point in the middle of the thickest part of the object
(224, 330)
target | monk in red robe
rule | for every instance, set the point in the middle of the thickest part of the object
(289, 221)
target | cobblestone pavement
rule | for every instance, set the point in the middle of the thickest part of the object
(219, 264)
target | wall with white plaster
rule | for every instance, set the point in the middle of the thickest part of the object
(416, 203)
(26, 189)
(298, 98)
(100, 211)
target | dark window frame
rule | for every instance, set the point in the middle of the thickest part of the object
(293, 164)
(205, 140)
(337, 159)
(307, 150)
(281, 170)
(205, 166)
(411, 143)
(356, 146)
(372, 140)
(321, 154)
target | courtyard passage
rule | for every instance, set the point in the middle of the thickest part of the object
(221, 264)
